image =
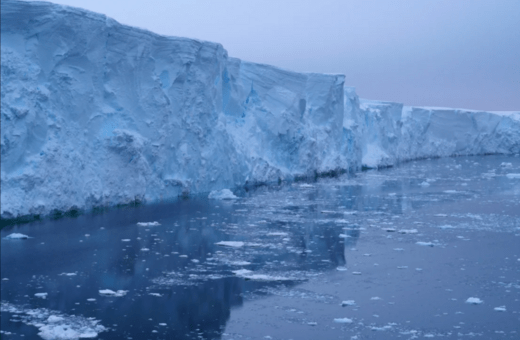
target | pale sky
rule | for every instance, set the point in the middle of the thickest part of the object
(450, 53)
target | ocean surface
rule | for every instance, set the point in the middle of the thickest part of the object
(427, 249)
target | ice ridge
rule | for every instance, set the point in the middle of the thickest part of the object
(95, 113)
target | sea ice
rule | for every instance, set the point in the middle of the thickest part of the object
(474, 301)
(108, 292)
(148, 224)
(343, 320)
(233, 244)
(16, 236)
(224, 194)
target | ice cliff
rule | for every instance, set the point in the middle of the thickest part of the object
(95, 113)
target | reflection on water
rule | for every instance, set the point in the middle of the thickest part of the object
(180, 284)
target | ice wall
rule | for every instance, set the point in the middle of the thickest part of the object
(94, 113)
(97, 113)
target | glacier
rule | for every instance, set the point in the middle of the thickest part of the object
(95, 113)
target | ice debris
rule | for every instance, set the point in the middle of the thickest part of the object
(343, 320)
(16, 236)
(474, 301)
(224, 194)
(148, 224)
(108, 292)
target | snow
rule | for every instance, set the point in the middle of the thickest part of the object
(95, 113)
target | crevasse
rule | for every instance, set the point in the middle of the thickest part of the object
(95, 113)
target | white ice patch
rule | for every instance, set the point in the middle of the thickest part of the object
(54, 325)
(233, 244)
(513, 176)
(424, 184)
(425, 244)
(348, 303)
(277, 234)
(408, 231)
(474, 301)
(305, 185)
(68, 274)
(41, 295)
(224, 194)
(500, 309)
(148, 224)
(343, 320)
(16, 236)
(108, 292)
(250, 275)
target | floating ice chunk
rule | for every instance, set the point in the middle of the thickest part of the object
(16, 236)
(224, 194)
(506, 165)
(474, 301)
(349, 212)
(446, 226)
(375, 298)
(408, 231)
(424, 184)
(108, 292)
(233, 244)
(240, 263)
(426, 244)
(250, 275)
(54, 325)
(341, 269)
(162, 324)
(343, 236)
(91, 300)
(440, 215)
(348, 303)
(312, 323)
(398, 249)
(41, 295)
(343, 320)
(513, 176)
(148, 224)
(145, 249)
(54, 318)
(500, 309)
(451, 191)
(155, 294)
(68, 274)
(328, 212)
(279, 233)
(305, 185)
(125, 240)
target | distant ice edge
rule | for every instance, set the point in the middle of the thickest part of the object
(95, 113)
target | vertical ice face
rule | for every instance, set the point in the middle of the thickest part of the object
(287, 124)
(95, 113)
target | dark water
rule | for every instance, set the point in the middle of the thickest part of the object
(306, 248)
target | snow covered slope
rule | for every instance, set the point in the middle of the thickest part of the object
(95, 113)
